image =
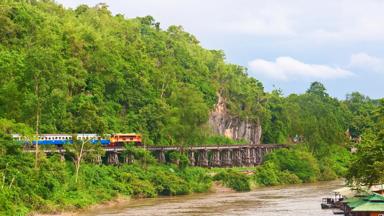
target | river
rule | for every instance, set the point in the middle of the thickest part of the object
(296, 200)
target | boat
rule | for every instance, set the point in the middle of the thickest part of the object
(338, 211)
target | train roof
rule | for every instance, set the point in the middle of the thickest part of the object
(126, 134)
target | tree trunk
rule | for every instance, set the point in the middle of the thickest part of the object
(37, 124)
(78, 162)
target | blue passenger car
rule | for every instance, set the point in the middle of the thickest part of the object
(62, 139)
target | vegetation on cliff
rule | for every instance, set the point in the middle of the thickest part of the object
(87, 70)
(367, 164)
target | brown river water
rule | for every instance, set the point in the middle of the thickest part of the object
(294, 200)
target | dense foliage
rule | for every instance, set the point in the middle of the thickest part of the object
(235, 180)
(86, 70)
(53, 187)
(368, 165)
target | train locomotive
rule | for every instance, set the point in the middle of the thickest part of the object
(109, 140)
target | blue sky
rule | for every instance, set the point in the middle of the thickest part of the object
(286, 44)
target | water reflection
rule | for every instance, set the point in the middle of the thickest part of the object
(289, 201)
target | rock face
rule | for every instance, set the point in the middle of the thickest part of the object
(232, 127)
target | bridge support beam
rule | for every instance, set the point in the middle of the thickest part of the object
(129, 158)
(97, 159)
(246, 154)
(202, 158)
(237, 159)
(252, 155)
(161, 156)
(113, 158)
(215, 160)
(226, 159)
(191, 158)
(263, 153)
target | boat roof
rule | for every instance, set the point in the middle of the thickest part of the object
(370, 207)
(372, 202)
(345, 191)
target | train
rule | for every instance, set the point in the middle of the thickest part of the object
(109, 140)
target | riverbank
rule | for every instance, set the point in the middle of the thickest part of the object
(303, 199)
(119, 201)
(217, 190)
(100, 184)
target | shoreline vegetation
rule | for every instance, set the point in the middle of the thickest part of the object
(217, 187)
(86, 70)
(52, 187)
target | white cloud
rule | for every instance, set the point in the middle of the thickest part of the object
(327, 20)
(288, 68)
(365, 62)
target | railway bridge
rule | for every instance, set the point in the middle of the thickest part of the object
(204, 156)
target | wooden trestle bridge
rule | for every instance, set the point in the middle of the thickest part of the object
(204, 156)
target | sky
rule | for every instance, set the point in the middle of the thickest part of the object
(286, 44)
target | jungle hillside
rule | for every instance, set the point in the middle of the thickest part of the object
(86, 70)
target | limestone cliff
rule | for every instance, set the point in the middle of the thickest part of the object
(224, 124)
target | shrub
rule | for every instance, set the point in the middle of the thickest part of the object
(327, 174)
(267, 174)
(179, 159)
(235, 180)
(198, 178)
(167, 182)
(286, 177)
(299, 162)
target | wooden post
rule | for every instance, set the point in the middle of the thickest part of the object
(245, 156)
(236, 157)
(129, 158)
(215, 160)
(227, 158)
(161, 156)
(203, 158)
(113, 158)
(191, 158)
